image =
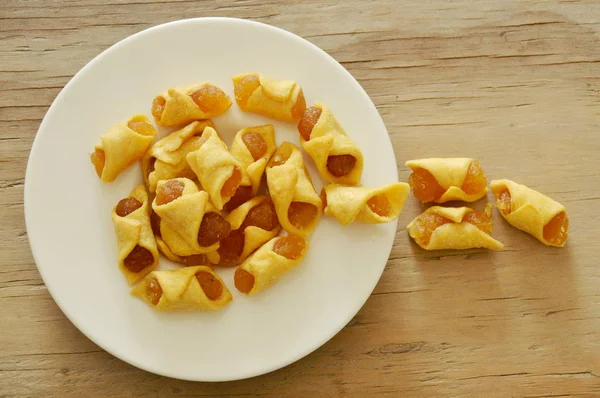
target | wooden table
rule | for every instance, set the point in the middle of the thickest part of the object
(514, 83)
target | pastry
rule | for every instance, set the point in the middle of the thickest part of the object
(166, 158)
(137, 254)
(253, 147)
(184, 104)
(217, 170)
(453, 228)
(532, 212)
(269, 263)
(185, 289)
(336, 156)
(252, 224)
(124, 144)
(364, 204)
(297, 204)
(278, 99)
(189, 224)
(441, 180)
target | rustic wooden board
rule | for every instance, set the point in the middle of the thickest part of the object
(514, 83)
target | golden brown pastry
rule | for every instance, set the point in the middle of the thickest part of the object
(195, 288)
(184, 104)
(278, 99)
(297, 204)
(364, 204)
(532, 212)
(252, 224)
(453, 228)
(441, 180)
(217, 170)
(189, 224)
(137, 253)
(269, 263)
(124, 144)
(336, 156)
(166, 158)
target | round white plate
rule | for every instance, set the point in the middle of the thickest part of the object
(67, 208)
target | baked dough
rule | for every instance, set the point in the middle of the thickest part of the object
(121, 146)
(290, 182)
(180, 220)
(181, 290)
(254, 237)
(254, 168)
(328, 138)
(166, 158)
(456, 234)
(530, 211)
(267, 267)
(132, 230)
(450, 173)
(214, 165)
(278, 99)
(180, 108)
(350, 204)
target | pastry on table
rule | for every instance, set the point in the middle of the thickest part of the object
(188, 223)
(196, 288)
(363, 204)
(532, 212)
(278, 99)
(137, 254)
(453, 228)
(336, 156)
(166, 158)
(184, 104)
(441, 180)
(253, 147)
(297, 204)
(219, 172)
(252, 224)
(122, 145)
(269, 263)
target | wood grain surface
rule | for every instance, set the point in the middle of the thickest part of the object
(514, 83)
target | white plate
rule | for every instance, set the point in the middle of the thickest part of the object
(67, 208)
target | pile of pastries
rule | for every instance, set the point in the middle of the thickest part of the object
(253, 205)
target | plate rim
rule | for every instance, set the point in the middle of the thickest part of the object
(29, 223)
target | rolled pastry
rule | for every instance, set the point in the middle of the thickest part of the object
(124, 144)
(252, 224)
(253, 147)
(532, 212)
(137, 254)
(453, 228)
(336, 156)
(181, 219)
(185, 289)
(217, 170)
(269, 263)
(297, 204)
(184, 104)
(364, 204)
(166, 158)
(278, 99)
(441, 180)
